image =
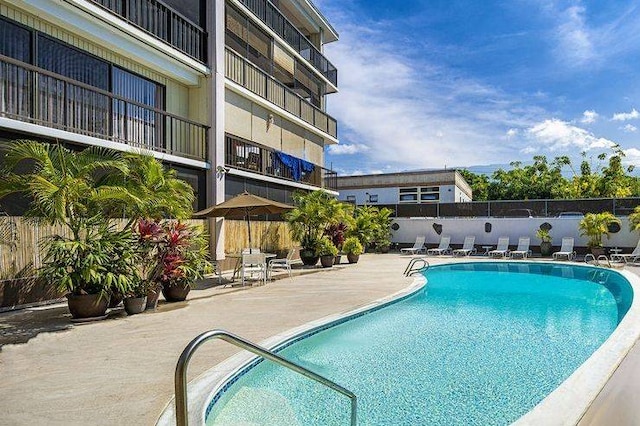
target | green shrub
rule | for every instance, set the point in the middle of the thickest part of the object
(352, 246)
(326, 248)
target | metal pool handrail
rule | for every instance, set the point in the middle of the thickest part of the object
(412, 269)
(183, 362)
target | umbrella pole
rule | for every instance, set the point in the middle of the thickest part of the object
(246, 216)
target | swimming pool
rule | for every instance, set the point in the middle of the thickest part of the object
(480, 344)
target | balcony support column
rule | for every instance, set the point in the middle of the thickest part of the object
(216, 149)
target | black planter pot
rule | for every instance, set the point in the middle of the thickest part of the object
(135, 305)
(597, 251)
(337, 259)
(545, 248)
(85, 306)
(353, 258)
(308, 257)
(175, 293)
(152, 298)
(115, 300)
(327, 261)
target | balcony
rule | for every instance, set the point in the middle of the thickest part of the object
(241, 154)
(37, 96)
(274, 19)
(257, 81)
(163, 22)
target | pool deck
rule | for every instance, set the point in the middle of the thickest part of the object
(120, 371)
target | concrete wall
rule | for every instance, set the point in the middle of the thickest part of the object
(514, 228)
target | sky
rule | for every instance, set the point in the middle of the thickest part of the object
(460, 83)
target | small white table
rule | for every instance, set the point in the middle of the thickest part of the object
(486, 250)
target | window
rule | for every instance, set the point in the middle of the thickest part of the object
(15, 41)
(425, 194)
(408, 195)
(351, 199)
(373, 198)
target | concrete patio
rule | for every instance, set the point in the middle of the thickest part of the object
(120, 371)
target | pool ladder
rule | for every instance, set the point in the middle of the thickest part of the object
(187, 353)
(413, 267)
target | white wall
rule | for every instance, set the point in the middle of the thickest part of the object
(514, 228)
(390, 195)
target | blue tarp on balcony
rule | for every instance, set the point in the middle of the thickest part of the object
(296, 165)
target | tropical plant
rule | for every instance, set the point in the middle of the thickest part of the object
(336, 232)
(352, 246)
(544, 235)
(102, 260)
(182, 254)
(326, 248)
(158, 192)
(314, 212)
(382, 229)
(596, 225)
(634, 220)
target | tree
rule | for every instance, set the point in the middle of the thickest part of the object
(479, 184)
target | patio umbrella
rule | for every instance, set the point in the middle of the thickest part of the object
(243, 206)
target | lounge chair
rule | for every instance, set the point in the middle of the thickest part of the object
(467, 248)
(566, 250)
(523, 248)
(255, 263)
(634, 256)
(502, 249)
(443, 248)
(418, 246)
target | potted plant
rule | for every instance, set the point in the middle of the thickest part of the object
(327, 252)
(183, 259)
(136, 300)
(314, 212)
(545, 241)
(336, 232)
(595, 226)
(353, 248)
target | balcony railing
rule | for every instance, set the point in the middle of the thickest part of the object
(257, 81)
(163, 22)
(34, 95)
(241, 154)
(274, 19)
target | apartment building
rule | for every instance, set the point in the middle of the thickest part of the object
(230, 93)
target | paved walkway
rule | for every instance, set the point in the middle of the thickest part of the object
(120, 371)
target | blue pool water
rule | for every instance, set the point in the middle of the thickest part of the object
(481, 344)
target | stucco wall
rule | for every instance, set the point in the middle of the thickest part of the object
(514, 228)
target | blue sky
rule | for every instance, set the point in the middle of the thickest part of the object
(435, 83)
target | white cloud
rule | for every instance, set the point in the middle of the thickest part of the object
(624, 116)
(589, 116)
(512, 132)
(574, 36)
(632, 156)
(630, 128)
(529, 150)
(558, 135)
(348, 149)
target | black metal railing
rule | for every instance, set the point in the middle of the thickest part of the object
(245, 155)
(34, 95)
(262, 84)
(163, 22)
(516, 208)
(274, 19)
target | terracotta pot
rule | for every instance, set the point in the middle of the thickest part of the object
(353, 258)
(327, 261)
(152, 298)
(175, 293)
(308, 257)
(87, 305)
(135, 305)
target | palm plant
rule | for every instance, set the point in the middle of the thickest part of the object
(595, 226)
(634, 219)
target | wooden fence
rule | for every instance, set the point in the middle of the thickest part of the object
(273, 237)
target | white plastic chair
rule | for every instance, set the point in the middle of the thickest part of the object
(633, 256)
(283, 263)
(254, 263)
(523, 248)
(418, 246)
(443, 248)
(566, 250)
(502, 249)
(467, 247)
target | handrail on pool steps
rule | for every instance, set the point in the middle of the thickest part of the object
(183, 363)
(413, 269)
